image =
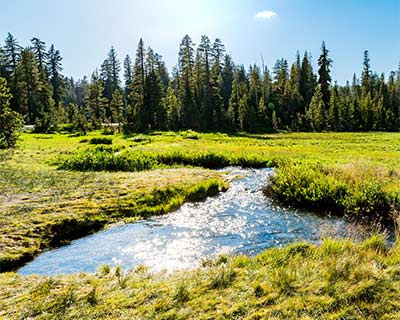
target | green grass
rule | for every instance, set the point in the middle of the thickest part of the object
(341, 173)
(337, 280)
(54, 188)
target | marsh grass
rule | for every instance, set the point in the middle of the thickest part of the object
(354, 174)
(360, 192)
(336, 280)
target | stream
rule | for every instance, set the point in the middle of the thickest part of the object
(239, 221)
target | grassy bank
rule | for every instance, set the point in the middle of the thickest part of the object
(337, 280)
(42, 207)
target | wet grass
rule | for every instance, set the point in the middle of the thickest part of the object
(337, 280)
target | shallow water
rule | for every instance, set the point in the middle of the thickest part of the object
(239, 221)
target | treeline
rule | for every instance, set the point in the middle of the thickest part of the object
(205, 91)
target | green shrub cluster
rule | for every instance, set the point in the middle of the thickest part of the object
(108, 159)
(359, 195)
(101, 140)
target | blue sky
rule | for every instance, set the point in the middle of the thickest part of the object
(84, 30)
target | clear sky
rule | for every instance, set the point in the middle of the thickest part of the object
(84, 30)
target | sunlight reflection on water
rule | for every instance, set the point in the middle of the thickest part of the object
(240, 221)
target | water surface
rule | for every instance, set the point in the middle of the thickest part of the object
(239, 221)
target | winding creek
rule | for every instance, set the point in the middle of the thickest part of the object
(239, 221)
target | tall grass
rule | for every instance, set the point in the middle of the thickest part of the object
(336, 280)
(108, 159)
(358, 191)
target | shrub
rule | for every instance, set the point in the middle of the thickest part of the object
(101, 140)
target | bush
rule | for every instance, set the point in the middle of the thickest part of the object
(101, 140)
(358, 195)
(106, 159)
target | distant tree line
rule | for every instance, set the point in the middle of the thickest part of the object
(206, 91)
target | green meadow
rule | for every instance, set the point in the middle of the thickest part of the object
(58, 187)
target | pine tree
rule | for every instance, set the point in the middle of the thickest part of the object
(55, 68)
(128, 77)
(335, 117)
(173, 109)
(238, 112)
(95, 102)
(28, 86)
(315, 112)
(324, 80)
(3, 63)
(39, 49)
(138, 117)
(217, 99)
(77, 119)
(117, 109)
(13, 55)
(46, 119)
(227, 79)
(205, 55)
(280, 95)
(307, 81)
(295, 100)
(154, 93)
(255, 96)
(366, 84)
(11, 122)
(186, 62)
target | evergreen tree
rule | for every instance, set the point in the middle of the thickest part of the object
(28, 86)
(324, 80)
(186, 62)
(173, 109)
(280, 96)
(217, 82)
(315, 112)
(56, 81)
(95, 102)
(77, 119)
(3, 63)
(366, 84)
(335, 117)
(128, 77)
(208, 108)
(255, 97)
(154, 93)
(138, 118)
(11, 122)
(39, 49)
(307, 81)
(295, 100)
(238, 111)
(227, 79)
(117, 109)
(12, 52)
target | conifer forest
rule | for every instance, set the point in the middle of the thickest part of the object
(206, 91)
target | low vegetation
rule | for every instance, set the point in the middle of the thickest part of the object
(57, 187)
(360, 182)
(337, 280)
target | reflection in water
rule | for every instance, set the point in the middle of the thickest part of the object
(240, 220)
